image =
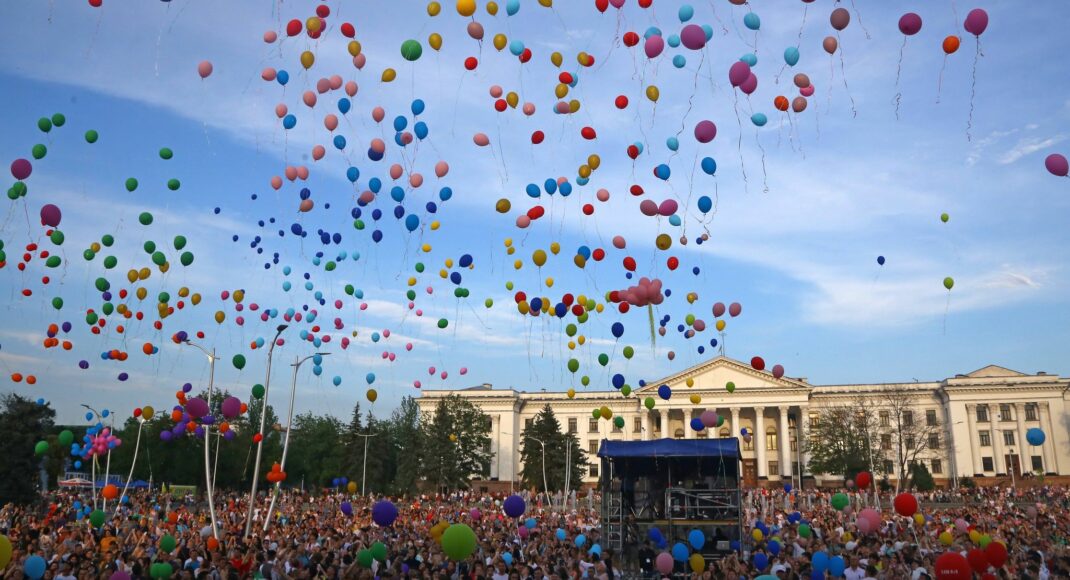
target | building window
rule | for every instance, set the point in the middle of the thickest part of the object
(1038, 463)
(908, 418)
(934, 441)
(886, 441)
(889, 467)
(1030, 411)
(704, 434)
(986, 439)
(527, 423)
(987, 465)
(637, 425)
(794, 442)
(1005, 413)
(930, 417)
(1008, 437)
(592, 425)
(982, 413)
(573, 425)
(937, 466)
(910, 441)
(884, 419)
(592, 447)
(770, 439)
(774, 468)
(657, 423)
(678, 434)
(814, 420)
(594, 470)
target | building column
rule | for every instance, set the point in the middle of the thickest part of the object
(647, 423)
(1051, 463)
(496, 443)
(733, 428)
(804, 439)
(998, 461)
(1025, 461)
(975, 451)
(689, 433)
(784, 443)
(759, 445)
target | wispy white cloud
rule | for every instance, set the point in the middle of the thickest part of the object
(1027, 146)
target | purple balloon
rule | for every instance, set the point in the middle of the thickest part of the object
(705, 131)
(187, 388)
(21, 168)
(120, 575)
(50, 215)
(514, 506)
(738, 73)
(347, 508)
(709, 418)
(123, 376)
(648, 207)
(166, 435)
(749, 85)
(668, 207)
(231, 407)
(693, 37)
(909, 24)
(384, 513)
(229, 435)
(83, 364)
(197, 407)
(1057, 165)
(653, 47)
(66, 327)
(976, 22)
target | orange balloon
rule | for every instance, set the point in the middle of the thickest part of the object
(110, 491)
(31, 380)
(146, 348)
(16, 377)
(781, 103)
(951, 44)
(212, 543)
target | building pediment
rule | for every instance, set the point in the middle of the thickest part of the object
(715, 374)
(992, 371)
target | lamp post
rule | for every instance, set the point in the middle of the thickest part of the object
(207, 434)
(263, 417)
(545, 486)
(1011, 467)
(289, 430)
(364, 470)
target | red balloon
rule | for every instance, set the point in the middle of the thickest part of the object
(96, 3)
(996, 553)
(347, 30)
(631, 38)
(293, 27)
(526, 55)
(500, 105)
(588, 133)
(601, 5)
(588, 209)
(952, 566)
(598, 255)
(673, 263)
(757, 363)
(623, 307)
(621, 102)
(636, 190)
(645, 3)
(565, 78)
(537, 137)
(863, 479)
(471, 63)
(629, 263)
(323, 11)
(536, 212)
(906, 505)
(978, 560)
(633, 151)
(778, 371)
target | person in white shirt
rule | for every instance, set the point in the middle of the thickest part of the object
(855, 571)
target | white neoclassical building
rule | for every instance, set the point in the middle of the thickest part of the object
(982, 420)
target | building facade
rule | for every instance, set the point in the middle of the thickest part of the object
(977, 423)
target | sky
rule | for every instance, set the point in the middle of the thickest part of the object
(804, 205)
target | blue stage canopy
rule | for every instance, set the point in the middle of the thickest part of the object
(728, 447)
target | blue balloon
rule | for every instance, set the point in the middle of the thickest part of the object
(535, 304)
(655, 534)
(664, 392)
(662, 172)
(581, 540)
(529, 523)
(339, 142)
(652, 31)
(289, 121)
(752, 21)
(837, 566)
(880, 260)
(400, 122)
(337, 380)
(420, 128)
(550, 185)
(533, 190)
(560, 533)
(516, 47)
(344, 105)
(560, 310)
(283, 77)
(673, 40)
(750, 58)
(352, 174)
(370, 378)
(686, 12)
(696, 538)
(1035, 436)
(709, 166)
(705, 204)
(512, 7)
(417, 106)
(759, 119)
(412, 222)
(680, 552)
(565, 188)
(34, 567)
(595, 549)
(820, 561)
(679, 61)
(672, 143)
(618, 329)
(791, 55)
(507, 557)
(397, 193)
(697, 425)
(618, 381)
(773, 547)
(585, 252)
(708, 30)
(375, 184)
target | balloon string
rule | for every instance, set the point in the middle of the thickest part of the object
(765, 176)
(947, 307)
(940, 80)
(802, 25)
(973, 89)
(724, 29)
(843, 71)
(898, 73)
(859, 15)
(739, 141)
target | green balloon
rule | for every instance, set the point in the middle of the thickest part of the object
(618, 422)
(365, 558)
(159, 258)
(163, 297)
(107, 240)
(44, 124)
(603, 359)
(57, 302)
(173, 184)
(18, 190)
(804, 530)
(258, 391)
(238, 361)
(65, 437)
(161, 570)
(180, 242)
(110, 262)
(571, 329)
(458, 541)
(59, 120)
(145, 218)
(39, 151)
(97, 518)
(689, 319)
(573, 365)
(458, 293)
(131, 184)
(585, 380)
(57, 237)
(944, 217)
(597, 413)
(108, 308)
(949, 282)
(330, 266)
(41, 448)
(186, 258)
(489, 302)
(350, 289)
(411, 50)
(149, 246)
(12, 194)
(358, 224)
(443, 323)
(166, 153)
(410, 294)
(91, 318)
(91, 136)
(420, 267)
(53, 261)
(730, 387)
(102, 284)
(626, 390)
(379, 551)
(649, 402)
(840, 501)
(3, 257)
(167, 543)
(582, 318)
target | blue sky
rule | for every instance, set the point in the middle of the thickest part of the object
(796, 243)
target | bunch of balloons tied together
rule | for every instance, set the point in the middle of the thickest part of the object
(647, 292)
(276, 475)
(192, 415)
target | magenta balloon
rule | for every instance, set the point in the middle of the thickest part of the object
(750, 85)
(705, 131)
(909, 24)
(51, 216)
(231, 407)
(699, 325)
(693, 37)
(668, 207)
(778, 371)
(197, 407)
(664, 562)
(1056, 164)
(738, 73)
(708, 418)
(648, 207)
(654, 45)
(718, 310)
(21, 168)
(734, 309)
(976, 22)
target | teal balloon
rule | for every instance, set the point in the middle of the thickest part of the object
(686, 12)
(752, 21)
(512, 7)
(759, 119)
(673, 40)
(675, 220)
(679, 61)
(750, 59)
(791, 55)
(672, 143)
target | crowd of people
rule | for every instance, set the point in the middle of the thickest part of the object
(311, 535)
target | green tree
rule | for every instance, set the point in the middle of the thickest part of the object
(22, 424)
(456, 443)
(545, 429)
(407, 439)
(844, 440)
(381, 456)
(923, 480)
(316, 452)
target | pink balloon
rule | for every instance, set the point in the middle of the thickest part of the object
(281, 110)
(976, 22)
(302, 172)
(406, 138)
(408, 346)
(734, 309)
(335, 82)
(395, 171)
(668, 207)
(309, 98)
(602, 195)
(464, 370)
(664, 562)
(617, 3)
(481, 139)
(204, 69)
(360, 60)
(21, 168)
(528, 108)
(378, 145)
(431, 370)
(909, 23)
(351, 88)
(708, 418)
(291, 172)
(655, 44)
(322, 86)
(50, 215)
(276, 182)
(523, 531)
(270, 36)
(378, 114)
(561, 107)
(416, 384)
(807, 91)
(441, 169)
(366, 197)
(317, 153)
(749, 85)
(1057, 165)
(523, 221)
(699, 325)
(495, 91)
(693, 37)
(443, 375)
(416, 180)
(778, 371)
(330, 122)
(648, 208)
(738, 72)
(475, 30)
(619, 242)
(392, 357)
(718, 310)
(705, 131)
(268, 74)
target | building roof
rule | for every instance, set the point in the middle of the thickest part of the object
(727, 447)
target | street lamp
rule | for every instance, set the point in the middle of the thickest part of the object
(289, 430)
(545, 486)
(512, 460)
(364, 470)
(207, 433)
(263, 417)
(1011, 467)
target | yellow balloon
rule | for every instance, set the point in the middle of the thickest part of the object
(599, 308)
(513, 99)
(144, 273)
(147, 412)
(351, 487)
(518, 264)
(389, 75)
(510, 250)
(919, 519)
(539, 257)
(95, 246)
(238, 295)
(571, 345)
(720, 325)
(571, 393)
(466, 7)
(663, 241)
(691, 297)
(492, 8)
(593, 161)
(443, 273)
(698, 563)
(523, 307)
(695, 399)
(448, 262)
(508, 242)
(141, 293)
(195, 299)
(545, 303)
(549, 282)
(132, 276)
(581, 57)
(412, 280)
(435, 225)
(435, 40)
(220, 316)
(165, 267)
(500, 41)
(561, 90)
(582, 339)
(555, 248)
(503, 206)
(546, 3)
(580, 261)
(313, 24)
(555, 57)
(433, 8)
(653, 93)
(690, 382)
(757, 535)
(584, 171)
(307, 59)
(426, 248)
(975, 536)
(372, 395)
(354, 48)
(946, 538)
(121, 309)
(183, 292)
(606, 413)
(573, 106)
